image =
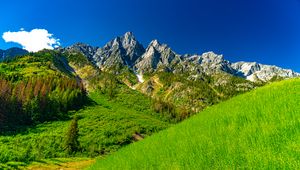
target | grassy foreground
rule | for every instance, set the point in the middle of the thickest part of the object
(257, 130)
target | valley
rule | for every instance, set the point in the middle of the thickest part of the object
(76, 105)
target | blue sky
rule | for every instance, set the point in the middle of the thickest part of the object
(266, 31)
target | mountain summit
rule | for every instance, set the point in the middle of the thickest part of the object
(124, 50)
(127, 51)
(156, 55)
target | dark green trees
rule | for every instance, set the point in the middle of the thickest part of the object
(38, 99)
(72, 143)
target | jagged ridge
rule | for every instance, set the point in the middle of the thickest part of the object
(127, 51)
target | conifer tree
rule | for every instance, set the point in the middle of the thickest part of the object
(72, 143)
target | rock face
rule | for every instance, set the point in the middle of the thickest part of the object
(12, 52)
(124, 50)
(85, 49)
(211, 62)
(127, 51)
(157, 56)
(254, 71)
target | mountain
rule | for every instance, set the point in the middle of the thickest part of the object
(254, 71)
(124, 50)
(11, 52)
(188, 83)
(211, 62)
(256, 130)
(121, 93)
(157, 56)
(127, 51)
(85, 49)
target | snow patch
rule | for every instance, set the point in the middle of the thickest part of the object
(140, 78)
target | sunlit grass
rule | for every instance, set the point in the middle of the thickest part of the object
(257, 130)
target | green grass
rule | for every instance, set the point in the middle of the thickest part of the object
(43, 63)
(50, 164)
(23, 66)
(104, 127)
(256, 130)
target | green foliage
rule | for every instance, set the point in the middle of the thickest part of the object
(256, 130)
(107, 83)
(178, 96)
(36, 88)
(77, 58)
(35, 100)
(105, 126)
(41, 87)
(72, 143)
(41, 64)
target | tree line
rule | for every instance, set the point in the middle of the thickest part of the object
(38, 99)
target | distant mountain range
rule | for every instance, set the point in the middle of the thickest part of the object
(11, 52)
(127, 51)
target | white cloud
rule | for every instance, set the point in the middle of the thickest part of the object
(33, 41)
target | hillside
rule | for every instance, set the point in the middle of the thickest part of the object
(35, 88)
(180, 85)
(256, 130)
(83, 102)
(41, 92)
(104, 127)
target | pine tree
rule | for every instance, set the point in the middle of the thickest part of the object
(72, 143)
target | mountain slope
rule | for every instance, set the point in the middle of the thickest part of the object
(257, 130)
(35, 88)
(189, 82)
(11, 52)
(39, 64)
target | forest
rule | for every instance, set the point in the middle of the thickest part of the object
(28, 97)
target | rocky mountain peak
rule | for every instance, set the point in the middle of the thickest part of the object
(158, 46)
(254, 71)
(211, 56)
(127, 51)
(156, 56)
(129, 35)
(210, 62)
(246, 68)
(123, 50)
(154, 43)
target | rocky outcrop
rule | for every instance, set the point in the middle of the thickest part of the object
(85, 49)
(157, 56)
(124, 50)
(211, 62)
(254, 71)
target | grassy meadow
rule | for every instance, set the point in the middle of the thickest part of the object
(256, 130)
